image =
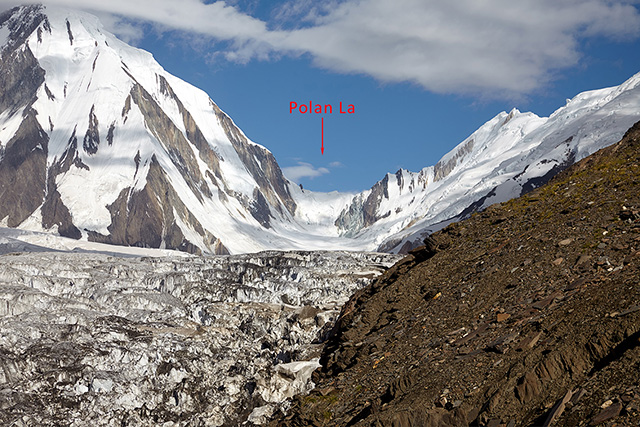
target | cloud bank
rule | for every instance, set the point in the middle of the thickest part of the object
(499, 47)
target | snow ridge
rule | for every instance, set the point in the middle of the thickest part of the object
(509, 155)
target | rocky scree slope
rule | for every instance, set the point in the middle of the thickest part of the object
(95, 340)
(525, 314)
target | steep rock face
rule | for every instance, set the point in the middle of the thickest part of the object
(261, 164)
(55, 215)
(524, 314)
(23, 171)
(20, 73)
(148, 218)
(363, 210)
(98, 340)
(23, 155)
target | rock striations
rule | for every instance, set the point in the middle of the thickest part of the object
(525, 314)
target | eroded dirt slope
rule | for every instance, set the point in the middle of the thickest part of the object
(526, 314)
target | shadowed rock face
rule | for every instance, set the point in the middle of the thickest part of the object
(194, 134)
(23, 172)
(146, 218)
(20, 73)
(54, 212)
(23, 158)
(363, 212)
(259, 162)
(524, 314)
(267, 173)
(171, 137)
(92, 137)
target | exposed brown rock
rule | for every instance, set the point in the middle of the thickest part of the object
(501, 317)
(171, 137)
(54, 212)
(22, 172)
(194, 134)
(558, 409)
(146, 218)
(260, 163)
(530, 341)
(607, 414)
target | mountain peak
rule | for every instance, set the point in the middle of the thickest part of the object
(138, 141)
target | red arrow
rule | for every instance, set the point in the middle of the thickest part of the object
(322, 147)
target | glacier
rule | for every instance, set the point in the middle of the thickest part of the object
(96, 339)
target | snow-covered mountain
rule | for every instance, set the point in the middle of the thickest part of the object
(509, 155)
(98, 142)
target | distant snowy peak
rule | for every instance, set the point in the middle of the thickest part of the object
(110, 147)
(509, 155)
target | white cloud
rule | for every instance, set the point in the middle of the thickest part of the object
(502, 47)
(303, 170)
(463, 45)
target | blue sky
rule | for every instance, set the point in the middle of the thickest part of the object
(422, 74)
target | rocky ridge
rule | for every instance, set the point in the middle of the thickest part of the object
(526, 314)
(89, 339)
